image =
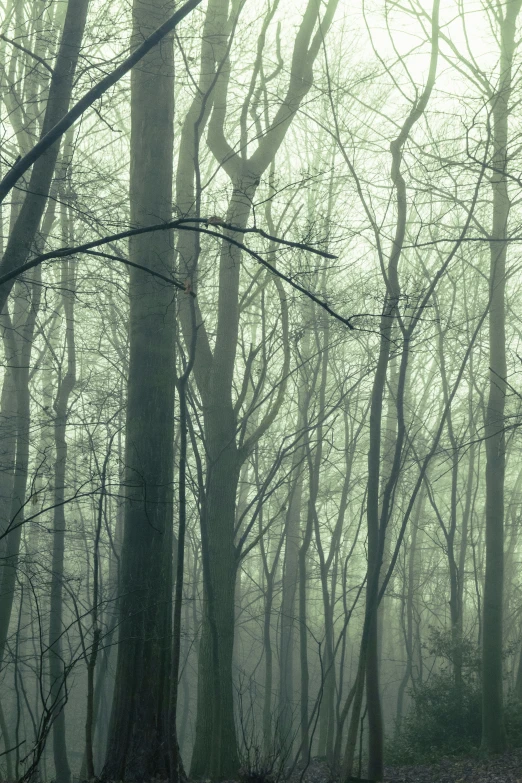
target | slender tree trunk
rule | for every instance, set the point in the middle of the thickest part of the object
(408, 605)
(177, 771)
(288, 606)
(8, 424)
(57, 669)
(449, 528)
(493, 733)
(24, 320)
(18, 338)
(375, 728)
(289, 589)
(303, 638)
(269, 667)
(518, 680)
(92, 706)
(215, 748)
(377, 519)
(104, 680)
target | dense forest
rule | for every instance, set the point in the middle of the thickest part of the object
(261, 387)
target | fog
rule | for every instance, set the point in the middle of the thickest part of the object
(261, 379)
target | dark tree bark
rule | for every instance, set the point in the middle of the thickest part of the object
(138, 743)
(289, 591)
(493, 733)
(24, 320)
(57, 669)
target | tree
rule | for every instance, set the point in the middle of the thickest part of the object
(138, 744)
(493, 737)
(215, 750)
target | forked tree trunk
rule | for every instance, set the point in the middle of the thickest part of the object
(215, 750)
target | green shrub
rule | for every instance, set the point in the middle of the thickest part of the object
(441, 721)
(444, 720)
(513, 721)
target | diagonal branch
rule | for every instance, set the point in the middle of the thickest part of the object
(23, 164)
(184, 224)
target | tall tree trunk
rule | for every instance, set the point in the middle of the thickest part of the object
(493, 733)
(18, 338)
(288, 600)
(57, 669)
(137, 746)
(24, 320)
(215, 748)
(21, 346)
(8, 421)
(303, 639)
(407, 610)
(313, 459)
(375, 728)
(518, 679)
(177, 771)
(269, 574)
(290, 578)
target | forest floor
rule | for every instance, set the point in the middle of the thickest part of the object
(506, 768)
